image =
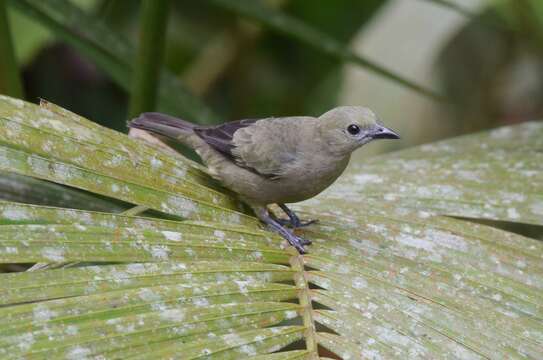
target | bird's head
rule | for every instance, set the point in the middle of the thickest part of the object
(346, 128)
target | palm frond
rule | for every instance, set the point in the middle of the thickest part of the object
(390, 274)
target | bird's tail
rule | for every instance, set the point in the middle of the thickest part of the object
(162, 124)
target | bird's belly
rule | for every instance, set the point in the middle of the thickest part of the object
(302, 185)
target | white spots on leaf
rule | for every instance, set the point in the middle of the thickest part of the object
(338, 251)
(497, 297)
(413, 165)
(46, 112)
(468, 175)
(513, 214)
(291, 314)
(537, 208)
(364, 179)
(14, 213)
(172, 235)
(113, 321)
(115, 161)
(359, 283)
(55, 124)
(424, 214)
(71, 330)
(201, 302)
(380, 229)
(423, 192)
(53, 254)
(149, 295)
(464, 353)
(438, 191)
(344, 268)
(78, 352)
(242, 286)
(248, 349)
(180, 206)
(25, 341)
(37, 165)
(11, 250)
(507, 313)
(391, 336)
(62, 171)
(219, 234)
(125, 328)
(5, 160)
(234, 218)
(430, 148)
(232, 339)
(156, 163)
(446, 239)
(180, 172)
(501, 133)
(160, 252)
(137, 269)
(509, 197)
(391, 197)
(115, 188)
(41, 313)
(48, 146)
(415, 241)
(13, 129)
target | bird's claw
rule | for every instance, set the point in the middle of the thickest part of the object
(307, 223)
(298, 243)
(296, 224)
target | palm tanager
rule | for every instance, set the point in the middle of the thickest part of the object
(275, 160)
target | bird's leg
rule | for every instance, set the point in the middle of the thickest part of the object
(294, 219)
(293, 240)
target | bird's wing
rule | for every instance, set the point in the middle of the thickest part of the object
(265, 146)
(220, 137)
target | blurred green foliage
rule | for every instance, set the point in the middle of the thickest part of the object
(282, 76)
(491, 68)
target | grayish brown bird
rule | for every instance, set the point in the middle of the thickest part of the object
(275, 160)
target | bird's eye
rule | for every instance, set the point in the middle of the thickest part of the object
(353, 129)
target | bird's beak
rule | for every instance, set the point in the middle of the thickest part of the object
(384, 133)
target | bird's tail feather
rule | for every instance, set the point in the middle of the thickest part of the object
(162, 124)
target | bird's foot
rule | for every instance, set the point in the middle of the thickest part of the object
(276, 225)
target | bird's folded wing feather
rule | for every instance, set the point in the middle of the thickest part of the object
(267, 146)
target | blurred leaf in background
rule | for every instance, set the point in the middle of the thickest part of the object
(284, 76)
(287, 77)
(492, 69)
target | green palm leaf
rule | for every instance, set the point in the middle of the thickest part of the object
(390, 273)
